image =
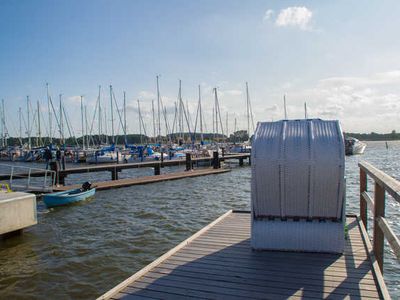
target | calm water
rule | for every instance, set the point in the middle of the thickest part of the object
(81, 251)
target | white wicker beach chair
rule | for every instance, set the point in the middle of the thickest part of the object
(297, 193)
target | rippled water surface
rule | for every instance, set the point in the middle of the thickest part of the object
(81, 251)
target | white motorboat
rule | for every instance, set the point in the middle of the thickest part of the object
(353, 146)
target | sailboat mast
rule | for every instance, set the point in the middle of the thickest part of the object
(154, 120)
(305, 111)
(83, 130)
(99, 114)
(248, 109)
(216, 111)
(39, 130)
(3, 121)
(112, 116)
(126, 141)
(49, 110)
(158, 109)
(86, 128)
(180, 114)
(201, 115)
(20, 125)
(28, 125)
(140, 123)
(284, 106)
(61, 122)
(2, 124)
(226, 127)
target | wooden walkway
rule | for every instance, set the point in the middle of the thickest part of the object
(218, 263)
(104, 185)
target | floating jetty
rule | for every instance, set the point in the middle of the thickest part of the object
(104, 185)
(218, 263)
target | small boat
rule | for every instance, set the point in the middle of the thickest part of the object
(354, 146)
(70, 196)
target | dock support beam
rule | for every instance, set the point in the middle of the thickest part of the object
(216, 161)
(114, 174)
(157, 170)
(188, 161)
(241, 162)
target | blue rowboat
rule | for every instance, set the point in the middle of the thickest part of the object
(68, 197)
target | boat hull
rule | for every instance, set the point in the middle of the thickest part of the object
(67, 197)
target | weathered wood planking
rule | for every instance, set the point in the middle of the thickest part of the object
(103, 185)
(218, 263)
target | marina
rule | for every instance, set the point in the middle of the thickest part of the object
(120, 230)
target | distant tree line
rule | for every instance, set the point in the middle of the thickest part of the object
(373, 136)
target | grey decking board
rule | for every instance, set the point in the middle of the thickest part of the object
(220, 264)
(260, 281)
(257, 292)
(279, 282)
(266, 274)
(267, 262)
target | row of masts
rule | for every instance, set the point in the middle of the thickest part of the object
(59, 121)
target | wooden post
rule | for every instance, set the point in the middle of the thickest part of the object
(249, 160)
(379, 237)
(188, 161)
(363, 203)
(61, 178)
(114, 174)
(157, 169)
(223, 151)
(216, 162)
(241, 161)
(162, 158)
(54, 167)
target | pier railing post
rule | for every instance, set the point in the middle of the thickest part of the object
(162, 158)
(363, 203)
(379, 236)
(188, 161)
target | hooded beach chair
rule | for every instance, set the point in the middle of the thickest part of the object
(298, 186)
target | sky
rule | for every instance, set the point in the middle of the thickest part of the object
(340, 57)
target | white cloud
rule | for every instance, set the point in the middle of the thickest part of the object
(146, 95)
(268, 14)
(295, 16)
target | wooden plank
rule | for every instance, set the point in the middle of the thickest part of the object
(380, 282)
(282, 265)
(369, 201)
(270, 272)
(104, 185)
(391, 185)
(267, 287)
(162, 258)
(363, 189)
(390, 236)
(379, 238)
(260, 279)
(249, 291)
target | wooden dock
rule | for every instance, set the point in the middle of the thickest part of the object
(218, 263)
(104, 185)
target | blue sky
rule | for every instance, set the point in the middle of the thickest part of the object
(342, 57)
